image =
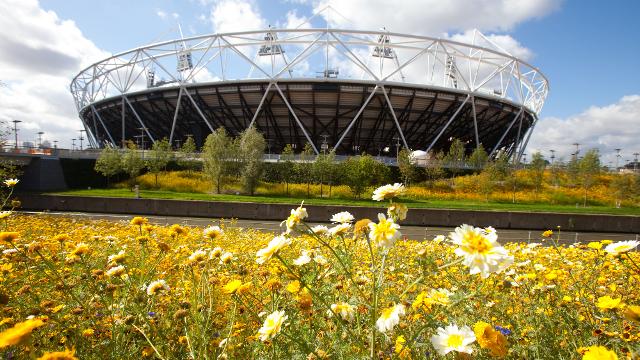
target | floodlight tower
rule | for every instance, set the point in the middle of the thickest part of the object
(81, 138)
(15, 130)
(553, 155)
(40, 138)
(618, 156)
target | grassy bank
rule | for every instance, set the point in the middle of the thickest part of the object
(411, 203)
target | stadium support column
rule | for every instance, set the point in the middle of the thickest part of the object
(475, 121)
(364, 105)
(93, 108)
(395, 119)
(506, 132)
(448, 123)
(528, 136)
(175, 116)
(122, 113)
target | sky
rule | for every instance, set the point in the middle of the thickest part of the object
(588, 50)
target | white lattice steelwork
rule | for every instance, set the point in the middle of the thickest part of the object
(299, 85)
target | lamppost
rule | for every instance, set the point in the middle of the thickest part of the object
(325, 145)
(553, 155)
(577, 145)
(397, 139)
(635, 161)
(618, 156)
(73, 144)
(15, 130)
(81, 138)
(55, 144)
(40, 138)
(142, 129)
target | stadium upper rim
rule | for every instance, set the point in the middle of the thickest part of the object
(478, 69)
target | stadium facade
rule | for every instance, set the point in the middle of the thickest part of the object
(347, 90)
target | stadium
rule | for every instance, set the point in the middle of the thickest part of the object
(349, 91)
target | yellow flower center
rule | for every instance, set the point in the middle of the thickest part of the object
(477, 242)
(386, 313)
(454, 341)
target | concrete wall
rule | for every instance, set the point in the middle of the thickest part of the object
(418, 217)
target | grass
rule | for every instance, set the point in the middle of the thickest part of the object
(430, 204)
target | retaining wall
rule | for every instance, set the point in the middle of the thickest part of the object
(322, 213)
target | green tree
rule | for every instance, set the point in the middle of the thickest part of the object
(132, 162)
(360, 172)
(324, 170)
(187, 155)
(478, 158)
(537, 167)
(286, 166)
(588, 170)
(624, 186)
(109, 163)
(217, 157)
(159, 157)
(455, 158)
(251, 150)
(434, 169)
(304, 166)
(408, 170)
(487, 179)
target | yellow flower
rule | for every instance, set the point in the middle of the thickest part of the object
(139, 220)
(346, 311)
(397, 212)
(385, 232)
(389, 318)
(61, 237)
(232, 286)
(491, 339)
(388, 192)
(5, 214)
(402, 351)
(547, 233)
(294, 219)
(596, 245)
(8, 236)
(157, 286)
(621, 247)
(19, 332)
(632, 313)
(293, 287)
(11, 182)
(88, 332)
(81, 249)
(272, 325)
(481, 251)
(606, 242)
(176, 230)
(597, 353)
(272, 248)
(59, 355)
(607, 302)
(213, 232)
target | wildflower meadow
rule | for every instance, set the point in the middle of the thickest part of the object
(355, 289)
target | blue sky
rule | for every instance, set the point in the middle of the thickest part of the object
(588, 50)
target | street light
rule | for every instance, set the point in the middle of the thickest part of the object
(635, 161)
(618, 156)
(553, 155)
(15, 130)
(73, 144)
(81, 138)
(40, 138)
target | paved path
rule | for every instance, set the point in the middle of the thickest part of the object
(410, 232)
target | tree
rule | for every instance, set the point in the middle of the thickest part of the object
(251, 150)
(537, 167)
(408, 170)
(624, 186)
(186, 156)
(286, 168)
(324, 170)
(588, 170)
(109, 163)
(132, 162)
(434, 169)
(455, 158)
(217, 157)
(487, 178)
(159, 157)
(478, 158)
(304, 166)
(360, 172)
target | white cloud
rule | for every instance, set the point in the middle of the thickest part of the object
(161, 14)
(39, 55)
(429, 17)
(605, 128)
(231, 16)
